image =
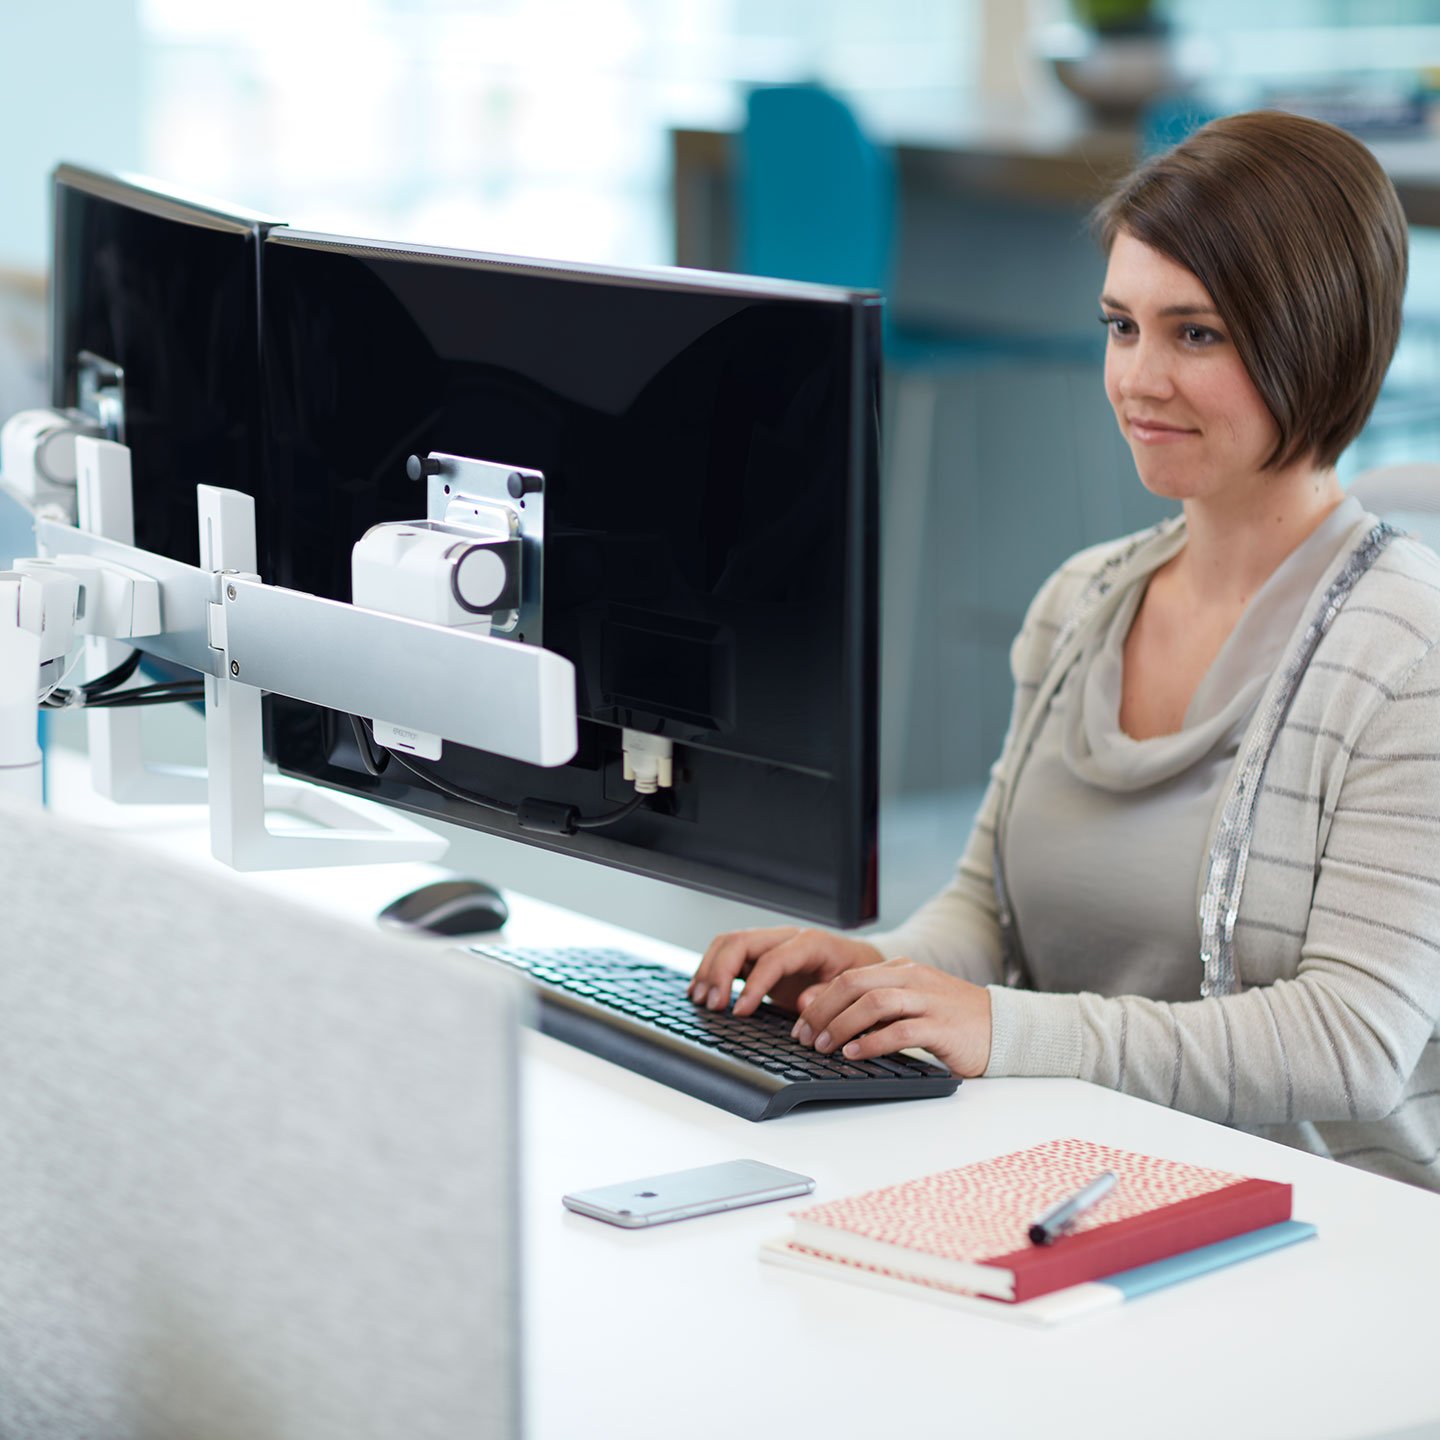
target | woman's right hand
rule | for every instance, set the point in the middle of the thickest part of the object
(782, 962)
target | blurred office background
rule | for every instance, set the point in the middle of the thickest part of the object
(602, 130)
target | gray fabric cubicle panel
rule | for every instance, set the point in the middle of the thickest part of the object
(257, 1170)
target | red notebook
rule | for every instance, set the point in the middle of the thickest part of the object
(968, 1229)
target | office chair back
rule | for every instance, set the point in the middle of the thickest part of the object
(817, 197)
(257, 1169)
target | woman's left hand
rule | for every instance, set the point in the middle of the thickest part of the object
(900, 1004)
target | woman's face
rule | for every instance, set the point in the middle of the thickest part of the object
(1195, 421)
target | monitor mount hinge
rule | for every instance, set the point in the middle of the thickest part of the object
(37, 447)
(100, 393)
(475, 562)
(500, 505)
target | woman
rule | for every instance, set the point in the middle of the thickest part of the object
(1207, 868)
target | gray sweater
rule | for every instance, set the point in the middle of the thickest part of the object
(1317, 985)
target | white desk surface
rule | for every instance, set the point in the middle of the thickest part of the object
(682, 1331)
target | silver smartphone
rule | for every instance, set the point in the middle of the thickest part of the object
(656, 1199)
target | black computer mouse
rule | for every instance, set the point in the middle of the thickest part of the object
(448, 907)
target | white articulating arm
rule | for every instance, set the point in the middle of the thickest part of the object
(241, 794)
(247, 638)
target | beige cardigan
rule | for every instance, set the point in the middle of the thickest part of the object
(1318, 986)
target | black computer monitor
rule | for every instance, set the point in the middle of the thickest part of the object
(166, 287)
(709, 445)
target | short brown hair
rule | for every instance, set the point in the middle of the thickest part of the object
(1298, 235)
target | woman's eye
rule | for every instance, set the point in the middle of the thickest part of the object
(1198, 335)
(1120, 326)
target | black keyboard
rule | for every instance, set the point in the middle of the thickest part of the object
(637, 1014)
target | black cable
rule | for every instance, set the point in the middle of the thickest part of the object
(598, 822)
(374, 764)
(551, 817)
(162, 694)
(59, 698)
(103, 692)
(125, 699)
(111, 678)
(128, 700)
(454, 791)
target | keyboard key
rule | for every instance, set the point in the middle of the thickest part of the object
(893, 1065)
(865, 1067)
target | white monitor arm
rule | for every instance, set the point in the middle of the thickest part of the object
(246, 638)
(443, 640)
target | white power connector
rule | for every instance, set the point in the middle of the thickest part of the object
(649, 761)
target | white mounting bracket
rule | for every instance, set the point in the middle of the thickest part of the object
(358, 831)
(476, 562)
(118, 768)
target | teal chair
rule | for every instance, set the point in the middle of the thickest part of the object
(817, 198)
(818, 201)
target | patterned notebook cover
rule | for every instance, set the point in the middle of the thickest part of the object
(969, 1227)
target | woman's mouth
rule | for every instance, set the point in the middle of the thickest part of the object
(1156, 432)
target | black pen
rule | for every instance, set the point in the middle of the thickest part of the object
(1059, 1218)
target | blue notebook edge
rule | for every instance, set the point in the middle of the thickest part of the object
(1190, 1263)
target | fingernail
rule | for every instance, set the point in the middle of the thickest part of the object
(804, 1032)
(852, 1049)
(795, 1030)
(714, 997)
(823, 1042)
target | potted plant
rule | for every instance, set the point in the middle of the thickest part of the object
(1116, 55)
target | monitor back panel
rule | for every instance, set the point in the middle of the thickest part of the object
(709, 446)
(167, 288)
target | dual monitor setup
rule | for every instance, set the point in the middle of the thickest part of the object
(581, 556)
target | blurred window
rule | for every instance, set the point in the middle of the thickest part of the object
(530, 126)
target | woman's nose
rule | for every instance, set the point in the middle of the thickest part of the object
(1145, 371)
